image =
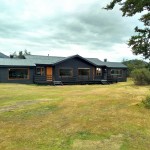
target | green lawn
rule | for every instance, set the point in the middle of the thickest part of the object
(76, 117)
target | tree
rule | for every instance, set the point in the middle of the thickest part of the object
(141, 76)
(140, 43)
(20, 54)
(135, 64)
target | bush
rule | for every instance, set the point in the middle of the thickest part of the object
(146, 102)
(141, 76)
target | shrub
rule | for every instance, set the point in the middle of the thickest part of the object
(146, 102)
(141, 76)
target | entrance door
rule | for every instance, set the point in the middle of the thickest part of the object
(49, 73)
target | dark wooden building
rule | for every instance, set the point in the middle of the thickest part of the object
(68, 70)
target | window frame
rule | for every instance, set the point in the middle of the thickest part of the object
(66, 76)
(117, 72)
(42, 71)
(28, 74)
(98, 71)
(84, 69)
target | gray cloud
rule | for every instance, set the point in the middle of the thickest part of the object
(91, 27)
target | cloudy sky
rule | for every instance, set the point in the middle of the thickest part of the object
(65, 27)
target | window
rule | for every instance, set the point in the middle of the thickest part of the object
(116, 72)
(98, 71)
(83, 71)
(19, 73)
(40, 71)
(66, 72)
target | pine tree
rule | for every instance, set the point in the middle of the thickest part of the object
(140, 43)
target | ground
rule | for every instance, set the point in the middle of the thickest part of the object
(76, 117)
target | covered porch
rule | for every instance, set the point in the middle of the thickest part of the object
(96, 75)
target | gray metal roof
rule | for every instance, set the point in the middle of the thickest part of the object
(3, 55)
(51, 59)
(114, 65)
(15, 62)
(98, 62)
(44, 59)
(32, 60)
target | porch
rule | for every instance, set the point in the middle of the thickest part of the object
(74, 80)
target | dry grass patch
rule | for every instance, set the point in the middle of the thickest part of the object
(74, 117)
(113, 143)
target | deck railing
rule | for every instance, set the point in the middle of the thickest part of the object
(112, 78)
(42, 79)
(74, 78)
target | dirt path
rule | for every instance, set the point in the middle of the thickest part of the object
(18, 105)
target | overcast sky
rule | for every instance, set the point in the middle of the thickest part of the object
(65, 27)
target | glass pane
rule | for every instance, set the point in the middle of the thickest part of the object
(84, 72)
(65, 72)
(18, 73)
(38, 71)
(117, 72)
(42, 71)
(98, 71)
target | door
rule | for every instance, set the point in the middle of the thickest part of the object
(49, 73)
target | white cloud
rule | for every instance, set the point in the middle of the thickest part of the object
(65, 28)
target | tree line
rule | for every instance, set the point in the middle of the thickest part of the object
(20, 54)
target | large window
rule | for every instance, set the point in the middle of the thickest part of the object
(116, 72)
(19, 73)
(98, 71)
(83, 71)
(66, 72)
(40, 71)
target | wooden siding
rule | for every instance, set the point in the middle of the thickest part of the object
(74, 63)
(123, 78)
(4, 76)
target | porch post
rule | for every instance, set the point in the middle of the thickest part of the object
(105, 74)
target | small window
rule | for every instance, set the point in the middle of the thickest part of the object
(84, 72)
(98, 71)
(18, 73)
(66, 72)
(40, 71)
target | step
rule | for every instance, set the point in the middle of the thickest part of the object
(57, 83)
(104, 82)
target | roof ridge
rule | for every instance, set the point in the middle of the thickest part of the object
(44, 55)
(2, 55)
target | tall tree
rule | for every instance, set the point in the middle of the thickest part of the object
(140, 43)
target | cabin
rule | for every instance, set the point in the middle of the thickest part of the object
(66, 70)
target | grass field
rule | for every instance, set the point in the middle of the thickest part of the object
(79, 117)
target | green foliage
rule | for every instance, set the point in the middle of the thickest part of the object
(20, 54)
(146, 102)
(134, 64)
(141, 76)
(140, 43)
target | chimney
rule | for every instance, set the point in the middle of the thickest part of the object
(105, 60)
